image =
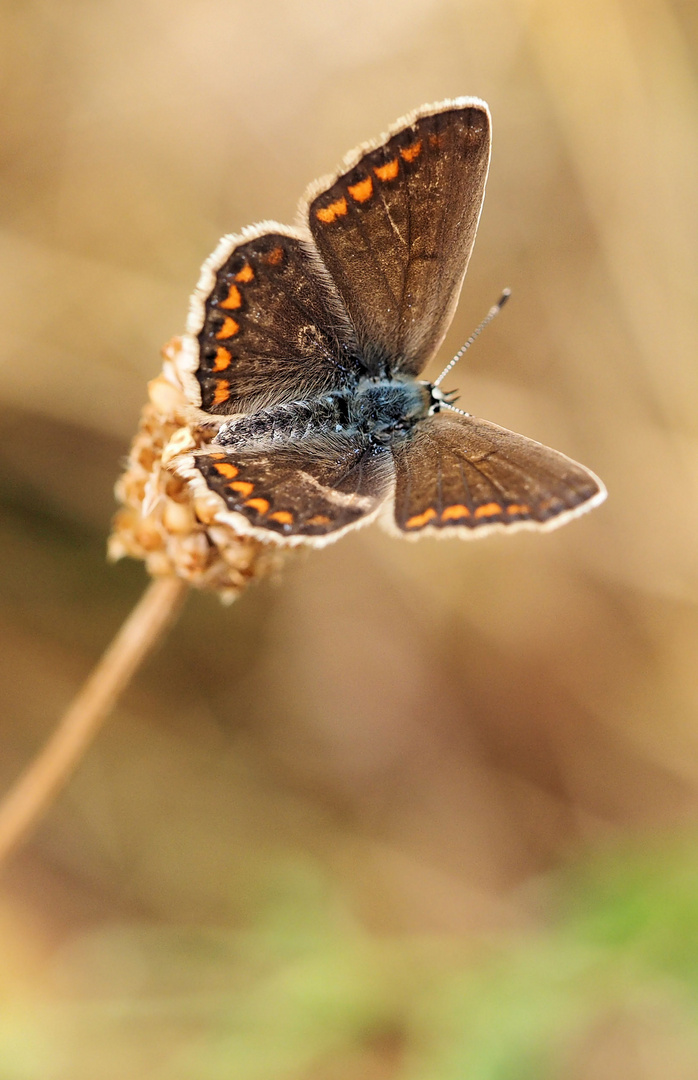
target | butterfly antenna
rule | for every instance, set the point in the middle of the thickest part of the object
(475, 334)
(447, 405)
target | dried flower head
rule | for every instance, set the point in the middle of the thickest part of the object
(160, 521)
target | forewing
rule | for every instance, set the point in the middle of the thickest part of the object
(467, 475)
(295, 494)
(265, 325)
(396, 230)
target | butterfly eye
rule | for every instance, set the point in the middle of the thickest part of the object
(437, 395)
(439, 398)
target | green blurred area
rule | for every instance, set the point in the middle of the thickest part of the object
(414, 811)
(609, 988)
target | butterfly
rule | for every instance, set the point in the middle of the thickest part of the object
(304, 348)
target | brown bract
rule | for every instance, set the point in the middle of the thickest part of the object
(160, 521)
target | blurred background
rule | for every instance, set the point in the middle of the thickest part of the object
(418, 811)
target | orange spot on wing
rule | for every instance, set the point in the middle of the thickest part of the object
(418, 520)
(261, 505)
(409, 153)
(242, 486)
(362, 191)
(223, 359)
(388, 171)
(319, 519)
(282, 516)
(435, 140)
(233, 299)
(452, 513)
(227, 470)
(228, 329)
(488, 510)
(245, 275)
(328, 214)
(518, 508)
(275, 256)
(222, 392)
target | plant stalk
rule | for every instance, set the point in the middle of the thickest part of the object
(45, 777)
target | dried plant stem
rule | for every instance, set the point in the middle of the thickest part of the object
(51, 769)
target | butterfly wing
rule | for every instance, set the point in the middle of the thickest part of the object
(464, 475)
(296, 493)
(270, 321)
(396, 229)
(265, 325)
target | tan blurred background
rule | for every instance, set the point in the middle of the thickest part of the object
(396, 751)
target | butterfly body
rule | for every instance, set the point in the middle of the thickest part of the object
(377, 411)
(305, 346)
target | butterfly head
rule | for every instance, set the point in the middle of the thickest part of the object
(440, 399)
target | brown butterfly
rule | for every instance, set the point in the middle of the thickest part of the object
(305, 345)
